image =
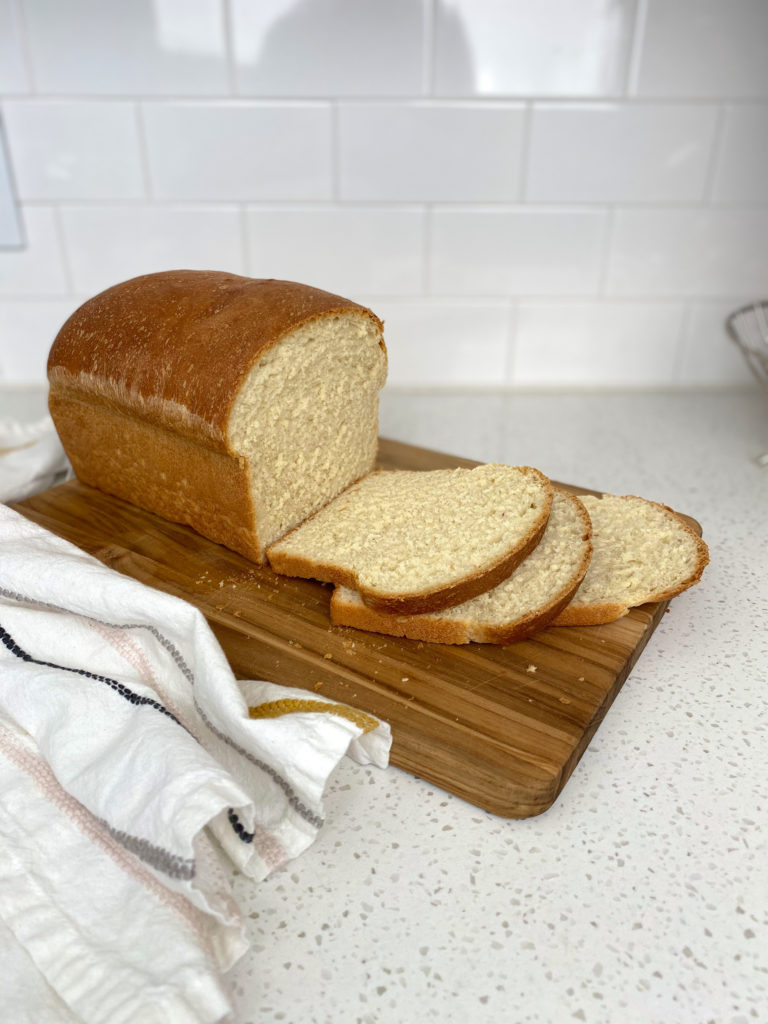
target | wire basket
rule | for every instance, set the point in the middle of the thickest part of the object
(748, 327)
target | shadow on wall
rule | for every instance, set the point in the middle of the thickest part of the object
(477, 52)
(306, 35)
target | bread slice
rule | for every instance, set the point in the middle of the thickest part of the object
(413, 542)
(236, 406)
(524, 603)
(643, 552)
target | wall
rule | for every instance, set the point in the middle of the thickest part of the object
(565, 192)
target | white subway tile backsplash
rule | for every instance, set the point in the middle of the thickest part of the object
(606, 344)
(620, 153)
(328, 47)
(167, 47)
(709, 356)
(518, 48)
(704, 48)
(444, 343)
(13, 69)
(38, 267)
(707, 252)
(521, 251)
(27, 330)
(600, 165)
(350, 250)
(108, 244)
(742, 169)
(10, 218)
(430, 152)
(239, 151)
(74, 150)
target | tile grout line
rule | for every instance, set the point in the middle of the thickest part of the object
(513, 320)
(718, 144)
(245, 252)
(426, 250)
(636, 49)
(26, 49)
(34, 297)
(229, 50)
(428, 50)
(682, 344)
(458, 100)
(459, 205)
(18, 220)
(525, 154)
(63, 250)
(608, 237)
(335, 143)
(141, 137)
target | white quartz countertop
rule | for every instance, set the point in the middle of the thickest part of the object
(642, 894)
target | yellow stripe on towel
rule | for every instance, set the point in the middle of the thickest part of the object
(289, 706)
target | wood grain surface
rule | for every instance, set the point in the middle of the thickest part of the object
(501, 727)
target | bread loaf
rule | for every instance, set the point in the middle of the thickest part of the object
(642, 551)
(236, 406)
(525, 602)
(413, 542)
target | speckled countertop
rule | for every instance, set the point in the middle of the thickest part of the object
(642, 894)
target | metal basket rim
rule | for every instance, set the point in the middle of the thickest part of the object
(759, 304)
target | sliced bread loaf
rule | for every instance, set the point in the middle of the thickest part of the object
(236, 406)
(643, 551)
(525, 602)
(413, 542)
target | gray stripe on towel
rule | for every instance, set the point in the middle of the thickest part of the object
(293, 799)
(157, 858)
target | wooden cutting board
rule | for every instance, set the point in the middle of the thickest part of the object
(502, 727)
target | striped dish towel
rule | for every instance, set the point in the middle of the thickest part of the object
(135, 774)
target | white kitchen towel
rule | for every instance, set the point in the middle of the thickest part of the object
(31, 458)
(135, 775)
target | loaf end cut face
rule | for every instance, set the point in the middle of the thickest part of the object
(236, 406)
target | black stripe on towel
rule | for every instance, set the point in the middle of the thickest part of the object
(239, 828)
(119, 688)
(308, 815)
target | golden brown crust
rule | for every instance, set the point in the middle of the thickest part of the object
(443, 631)
(590, 615)
(414, 627)
(545, 616)
(288, 564)
(605, 612)
(160, 471)
(174, 348)
(143, 378)
(433, 629)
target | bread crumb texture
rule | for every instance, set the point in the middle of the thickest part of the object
(542, 582)
(643, 552)
(404, 532)
(540, 578)
(306, 418)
